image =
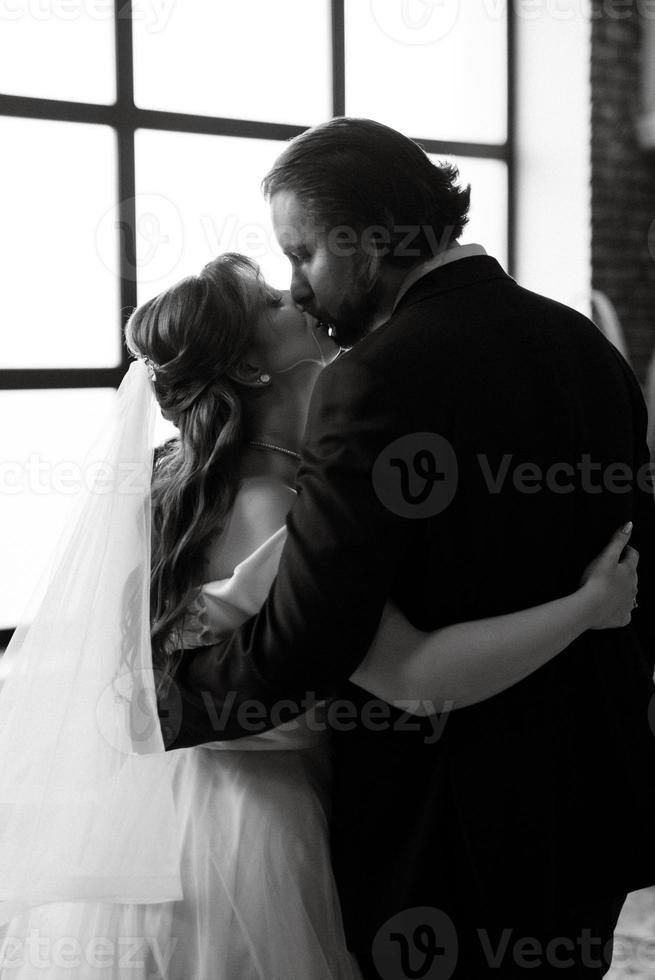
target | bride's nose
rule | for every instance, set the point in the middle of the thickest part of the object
(289, 301)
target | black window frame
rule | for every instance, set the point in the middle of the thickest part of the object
(124, 117)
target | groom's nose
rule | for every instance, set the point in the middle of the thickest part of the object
(300, 289)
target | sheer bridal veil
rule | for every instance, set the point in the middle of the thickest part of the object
(86, 807)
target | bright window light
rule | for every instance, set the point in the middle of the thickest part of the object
(40, 478)
(257, 60)
(430, 68)
(198, 196)
(60, 291)
(59, 50)
(487, 224)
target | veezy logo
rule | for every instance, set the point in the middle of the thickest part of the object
(415, 22)
(416, 476)
(155, 248)
(416, 944)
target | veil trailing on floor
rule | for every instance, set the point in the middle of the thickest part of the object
(86, 806)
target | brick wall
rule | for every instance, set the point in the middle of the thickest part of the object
(623, 179)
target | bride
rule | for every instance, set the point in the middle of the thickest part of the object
(120, 860)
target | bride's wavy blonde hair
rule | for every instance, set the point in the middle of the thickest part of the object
(194, 334)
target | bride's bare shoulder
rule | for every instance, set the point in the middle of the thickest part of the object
(260, 509)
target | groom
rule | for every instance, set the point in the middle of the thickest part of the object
(470, 452)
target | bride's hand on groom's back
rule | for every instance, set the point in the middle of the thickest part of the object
(611, 581)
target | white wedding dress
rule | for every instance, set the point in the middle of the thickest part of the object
(259, 899)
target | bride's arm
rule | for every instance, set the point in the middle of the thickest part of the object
(462, 664)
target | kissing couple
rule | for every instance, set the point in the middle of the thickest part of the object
(385, 617)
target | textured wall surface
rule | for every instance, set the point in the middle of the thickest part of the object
(623, 178)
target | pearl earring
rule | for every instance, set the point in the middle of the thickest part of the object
(264, 379)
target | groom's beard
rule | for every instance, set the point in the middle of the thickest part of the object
(356, 316)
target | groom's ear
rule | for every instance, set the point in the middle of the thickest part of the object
(245, 373)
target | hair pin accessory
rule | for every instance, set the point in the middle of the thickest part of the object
(152, 372)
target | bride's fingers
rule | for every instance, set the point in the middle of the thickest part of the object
(610, 556)
(630, 557)
(616, 553)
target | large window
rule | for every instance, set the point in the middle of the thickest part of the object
(135, 136)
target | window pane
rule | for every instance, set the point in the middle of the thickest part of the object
(58, 256)
(58, 50)
(430, 68)
(487, 223)
(40, 476)
(198, 196)
(255, 60)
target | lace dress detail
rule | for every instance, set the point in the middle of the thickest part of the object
(193, 629)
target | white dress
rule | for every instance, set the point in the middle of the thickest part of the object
(260, 901)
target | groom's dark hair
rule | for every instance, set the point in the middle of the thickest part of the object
(369, 177)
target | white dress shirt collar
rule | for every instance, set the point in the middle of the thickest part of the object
(452, 254)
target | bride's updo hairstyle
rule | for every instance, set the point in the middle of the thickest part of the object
(193, 334)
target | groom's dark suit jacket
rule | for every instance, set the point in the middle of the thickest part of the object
(540, 797)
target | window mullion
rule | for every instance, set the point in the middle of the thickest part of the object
(126, 174)
(338, 59)
(511, 137)
(34, 378)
